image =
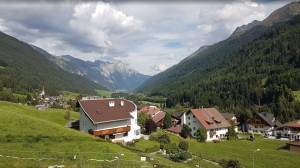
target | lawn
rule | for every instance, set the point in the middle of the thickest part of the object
(242, 150)
(104, 93)
(297, 95)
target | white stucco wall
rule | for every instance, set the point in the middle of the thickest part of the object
(288, 133)
(194, 124)
(258, 129)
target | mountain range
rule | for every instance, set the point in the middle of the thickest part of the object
(112, 75)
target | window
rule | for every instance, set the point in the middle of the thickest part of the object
(189, 117)
(189, 123)
(111, 136)
(194, 128)
(193, 116)
(137, 132)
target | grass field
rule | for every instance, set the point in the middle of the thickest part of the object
(69, 95)
(151, 103)
(104, 93)
(32, 138)
(297, 95)
(243, 150)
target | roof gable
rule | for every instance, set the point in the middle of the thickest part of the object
(269, 118)
(105, 110)
(210, 118)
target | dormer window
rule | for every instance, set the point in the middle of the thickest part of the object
(111, 104)
(122, 103)
(209, 122)
(217, 121)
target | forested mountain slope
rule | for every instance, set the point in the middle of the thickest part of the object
(257, 75)
(23, 70)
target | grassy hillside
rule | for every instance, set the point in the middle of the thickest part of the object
(242, 150)
(40, 139)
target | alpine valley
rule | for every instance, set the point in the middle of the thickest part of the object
(256, 69)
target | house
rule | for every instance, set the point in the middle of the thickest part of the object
(289, 130)
(156, 114)
(114, 119)
(176, 117)
(263, 123)
(294, 146)
(230, 117)
(209, 118)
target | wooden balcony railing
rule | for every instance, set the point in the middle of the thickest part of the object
(110, 131)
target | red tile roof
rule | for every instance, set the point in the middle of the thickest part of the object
(159, 116)
(151, 110)
(175, 129)
(99, 111)
(210, 118)
(291, 124)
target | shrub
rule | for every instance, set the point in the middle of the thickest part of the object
(168, 147)
(183, 145)
(160, 137)
(167, 121)
(201, 134)
(179, 155)
(186, 131)
(230, 163)
(150, 126)
(161, 146)
(163, 139)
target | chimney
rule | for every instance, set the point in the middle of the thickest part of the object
(122, 103)
(111, 104)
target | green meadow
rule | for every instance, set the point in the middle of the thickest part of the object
(32, 138)
(242, 150)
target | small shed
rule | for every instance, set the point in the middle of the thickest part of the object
(294, 146)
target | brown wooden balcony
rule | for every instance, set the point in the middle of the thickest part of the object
(110, 131)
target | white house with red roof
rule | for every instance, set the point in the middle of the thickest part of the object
(209, 118)
(289, 130)
(114, 119)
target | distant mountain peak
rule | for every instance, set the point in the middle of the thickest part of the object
(115, 75)
(282, 14)
(241, 29)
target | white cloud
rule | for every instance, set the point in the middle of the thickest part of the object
(206, 28)
(239, 13)
(150, 36)
(102, 24)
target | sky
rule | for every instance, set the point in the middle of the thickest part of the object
(149, 36)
